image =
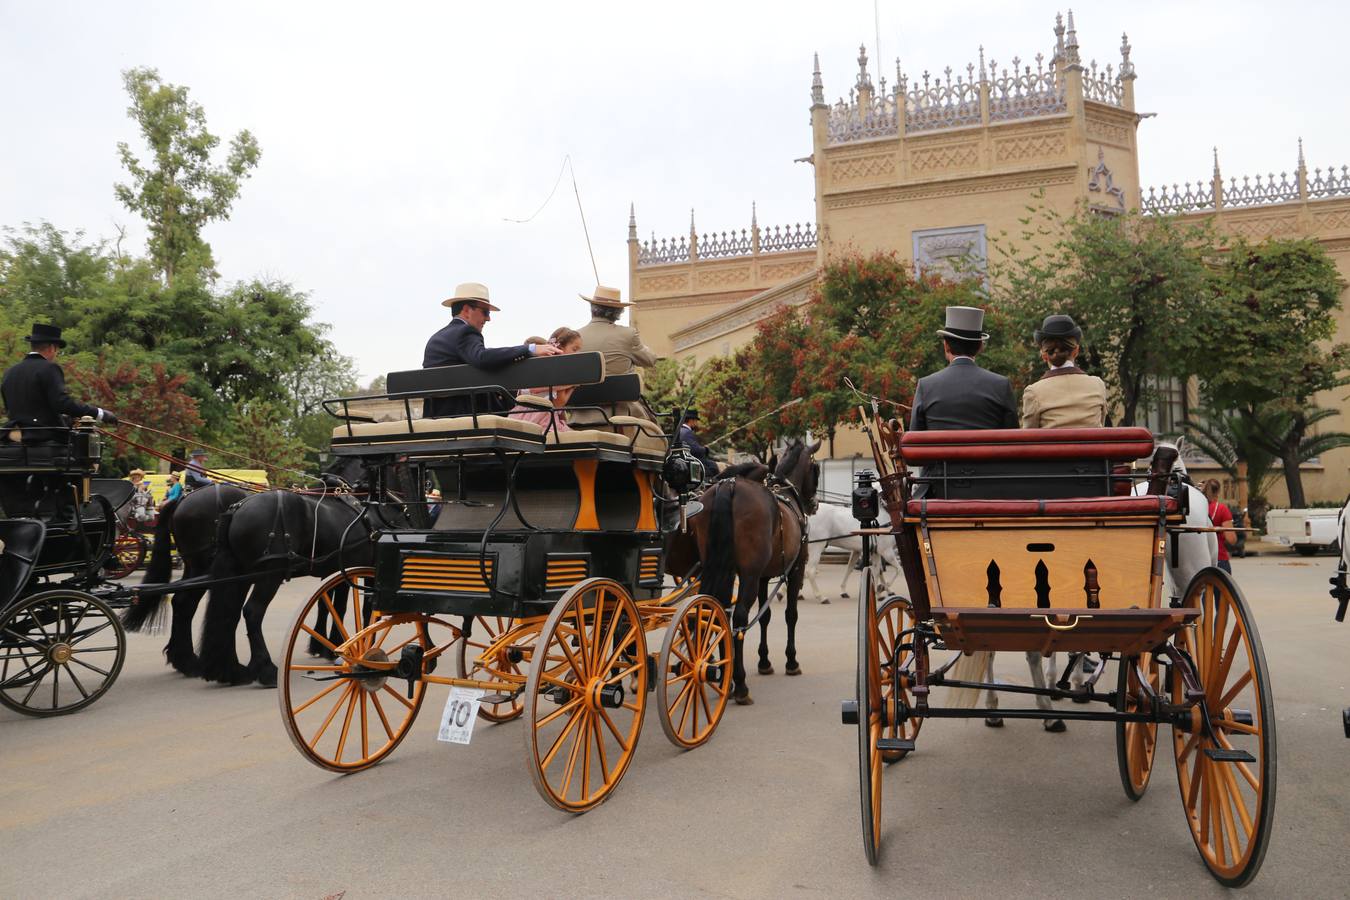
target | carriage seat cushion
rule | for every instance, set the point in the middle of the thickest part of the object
(1147, 504)
(1003, 444)
(650, 439)
(429, 429)
(583, 436)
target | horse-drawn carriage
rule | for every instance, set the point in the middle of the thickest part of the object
(532, 581)
(1032, 541)
(61, 643)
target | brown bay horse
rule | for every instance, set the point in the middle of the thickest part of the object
(753, 533)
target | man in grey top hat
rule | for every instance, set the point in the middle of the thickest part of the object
(963, 396)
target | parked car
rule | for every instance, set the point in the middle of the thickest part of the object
(1305, 530)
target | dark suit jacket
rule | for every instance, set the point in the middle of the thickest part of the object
(35, 395)
(460, 344)
(962, 397)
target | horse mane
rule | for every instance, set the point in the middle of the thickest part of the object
(752, 471)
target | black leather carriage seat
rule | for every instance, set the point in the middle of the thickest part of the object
(1025, 464)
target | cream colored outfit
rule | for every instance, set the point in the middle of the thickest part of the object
(1066, 397)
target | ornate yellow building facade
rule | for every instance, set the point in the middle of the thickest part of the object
(935, 167)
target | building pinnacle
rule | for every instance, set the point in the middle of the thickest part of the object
(1126, 67)
(1071, 43)
(632, 222)
(864, 80)
(817, 86)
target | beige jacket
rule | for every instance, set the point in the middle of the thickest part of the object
(1065, 398)
(623, 348)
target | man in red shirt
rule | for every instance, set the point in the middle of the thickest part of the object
(1219, 516)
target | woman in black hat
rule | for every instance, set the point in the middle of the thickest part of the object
(1066, 396)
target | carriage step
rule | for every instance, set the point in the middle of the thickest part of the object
(887, 744)
(849, 712)
(494, 699)
(1220, 755)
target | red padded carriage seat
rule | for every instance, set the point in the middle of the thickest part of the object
(1092, 507)
(1025, 464)
(1008, 444)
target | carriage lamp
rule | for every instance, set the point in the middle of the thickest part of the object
(866, 502)
(683, 471)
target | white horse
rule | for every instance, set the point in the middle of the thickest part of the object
(831, 526)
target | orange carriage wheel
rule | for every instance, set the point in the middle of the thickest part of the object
(1227, 777)
(584, 722)
(1136, 742)
(129, 553)
(870, 718)
(483, 634)
(348, 713)
(694, 667)
(892, 619)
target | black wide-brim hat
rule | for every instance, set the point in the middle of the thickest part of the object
(45, 334)
(1058, 326)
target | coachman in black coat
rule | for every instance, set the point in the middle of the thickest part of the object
(35, 395)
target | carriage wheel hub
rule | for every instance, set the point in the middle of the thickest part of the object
(60, 653)
(374, 655)
(608, 696)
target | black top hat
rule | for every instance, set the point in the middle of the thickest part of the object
(1058, 326)
(690, 414)
(45, 334)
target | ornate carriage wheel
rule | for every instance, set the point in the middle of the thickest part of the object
(1229, 800)
(870, 718)
(345, 714)
(484, 632)
(892, 619)
(129, 553)
(1136, 742)
(694, 667)
(583, 725)
(60, 651)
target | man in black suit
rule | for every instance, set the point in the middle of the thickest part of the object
(461, 343)
(963, 395)
(39, 411)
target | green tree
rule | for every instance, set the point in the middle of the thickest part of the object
(1139, 288)
(178, 190)
(1270, 341)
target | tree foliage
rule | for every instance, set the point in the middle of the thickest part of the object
(177, 190)
(1139, 289)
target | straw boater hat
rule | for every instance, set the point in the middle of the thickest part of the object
(471, 290)
(605, 296)
(965, 323)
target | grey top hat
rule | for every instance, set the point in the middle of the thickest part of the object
(965, 323)
(1058, 326)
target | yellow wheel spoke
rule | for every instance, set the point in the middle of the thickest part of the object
(319, 696)
(557, 742)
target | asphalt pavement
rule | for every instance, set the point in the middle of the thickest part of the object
(175, 788)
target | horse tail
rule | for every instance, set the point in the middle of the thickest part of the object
(719, 568)
(223, 606)
(147, 613)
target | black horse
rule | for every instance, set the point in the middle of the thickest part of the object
(280, 535)
(756, 534)
(190, 523)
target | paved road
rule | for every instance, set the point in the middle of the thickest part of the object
(173, 788)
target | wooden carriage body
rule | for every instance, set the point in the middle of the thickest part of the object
(526, 511)
(1029, 540)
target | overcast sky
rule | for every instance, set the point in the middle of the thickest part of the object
(396, 138)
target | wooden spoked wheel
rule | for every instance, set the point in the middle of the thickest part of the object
(1136, 742)
(348, 713)
(128, 555)
(483, 633)
(1229, 802)
(694, 669)
(60, 651)
(892, 619)
(870, 727)
(585, 712)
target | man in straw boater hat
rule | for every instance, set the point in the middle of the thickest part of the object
(621, 344)
(963, 395)
(461, 343)
(39, 408)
